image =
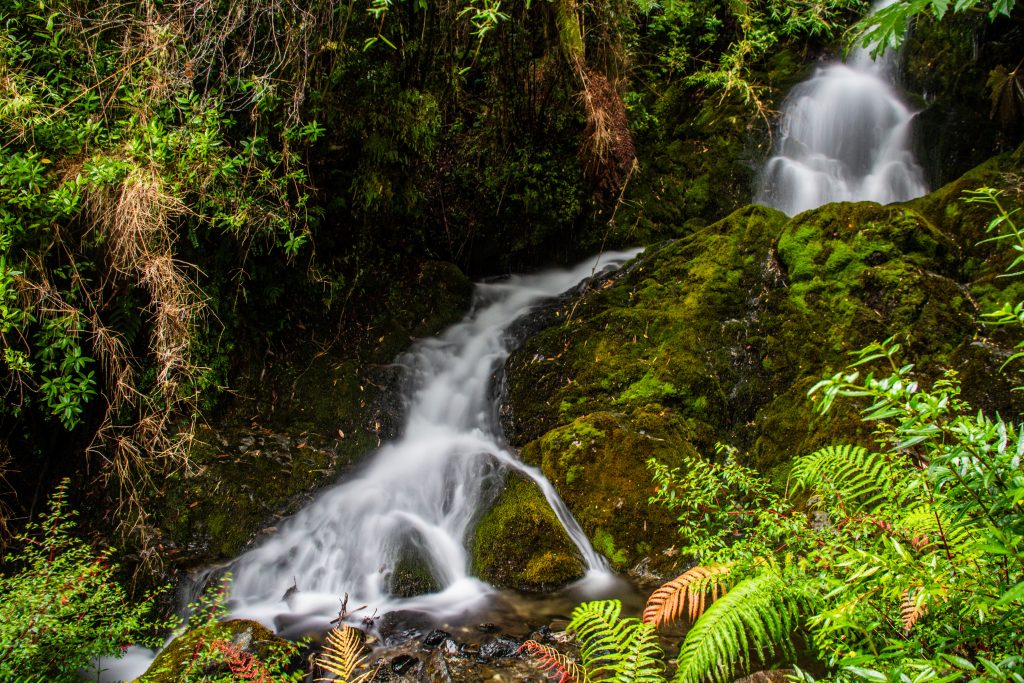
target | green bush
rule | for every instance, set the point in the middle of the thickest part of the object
(63, 607)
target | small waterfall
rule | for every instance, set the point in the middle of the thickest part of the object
(419, 494)
(844, 135)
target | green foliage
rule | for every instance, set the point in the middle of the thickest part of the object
(215, 651)
(855, 479)
(616, 649)
(887, 28)
(716, 46)
(756, 616)
(63, 607)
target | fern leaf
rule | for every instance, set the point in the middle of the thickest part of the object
(557, 666)
(342, 655)
(931, 529)
(851, 477)
(912, 607)
(687, 592)
(756, 614)
(614, 649)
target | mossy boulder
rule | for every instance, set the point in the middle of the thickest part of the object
(180, 656)
(519, 542)
(598, 464)
(718, 336)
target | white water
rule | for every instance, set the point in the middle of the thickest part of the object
(844, 136)
(420, 493)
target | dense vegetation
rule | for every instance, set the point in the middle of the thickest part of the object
(190, 187)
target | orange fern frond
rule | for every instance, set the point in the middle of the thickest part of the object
(556, 665)
(240, 663)
(687, 592)
(913, 607)
(343, 654)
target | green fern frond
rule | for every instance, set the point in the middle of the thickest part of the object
(853, 478)
(756, 616)
(930, 528)
(614, 649)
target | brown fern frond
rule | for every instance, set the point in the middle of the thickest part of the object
(342, 655)
(688, 592)
(913, 607)
(240, 663)
(559, 667)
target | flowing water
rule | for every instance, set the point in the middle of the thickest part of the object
(418, 496)
(844, 135)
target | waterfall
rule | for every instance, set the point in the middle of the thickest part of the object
(844, 135)
(419, 494)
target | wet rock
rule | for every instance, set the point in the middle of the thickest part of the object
(519, 543)
(402, 626)
(500, 647)
(404, 663)
(488, 628)
(178, 658)
(436, 670)
(435, 638)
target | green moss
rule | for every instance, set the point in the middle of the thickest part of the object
(718, 336)
(175, 660)
(648, 388)
(519, 543)
(605, 544)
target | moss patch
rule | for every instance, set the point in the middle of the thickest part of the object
(519, 543)
(175, 660)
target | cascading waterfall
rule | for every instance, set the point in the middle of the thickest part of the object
(419, 494)
(844, 135)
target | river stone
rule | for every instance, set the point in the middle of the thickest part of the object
(499, 647)
(519, 542)
(403, 663)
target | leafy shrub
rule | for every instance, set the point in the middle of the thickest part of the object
(64, 607)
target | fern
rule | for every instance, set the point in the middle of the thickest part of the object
(912, 607)
(689, 590)
(343, 654)
(554, 663)
(757, 614)
(614, 649)
(852, 477)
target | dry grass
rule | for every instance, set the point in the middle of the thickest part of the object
(608, 151)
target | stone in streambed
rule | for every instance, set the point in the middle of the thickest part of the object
(519, 543)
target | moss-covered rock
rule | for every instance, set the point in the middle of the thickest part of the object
(181, 656)
(519, 543)
(598, 464)
(718, 336)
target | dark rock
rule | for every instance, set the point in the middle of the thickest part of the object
(436, 638)
(404, 663)
(402, 626)
(488, 628)
(500, 647)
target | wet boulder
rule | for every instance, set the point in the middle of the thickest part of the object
(519, 542)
